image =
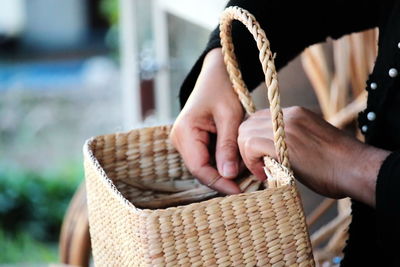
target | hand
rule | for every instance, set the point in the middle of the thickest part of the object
(323, 157)
(212, 108)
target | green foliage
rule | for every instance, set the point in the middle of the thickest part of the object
(109, 8)
(32, 207)
(23, 248)
(36, 202)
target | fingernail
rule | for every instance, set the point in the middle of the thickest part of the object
(230, 169)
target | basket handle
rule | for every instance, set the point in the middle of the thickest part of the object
(268, 66)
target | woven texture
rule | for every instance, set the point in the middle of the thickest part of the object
(146, 209)
(268, 66)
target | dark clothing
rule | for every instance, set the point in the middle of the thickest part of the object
(291, 26)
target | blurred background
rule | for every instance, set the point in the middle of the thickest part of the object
(73, 69)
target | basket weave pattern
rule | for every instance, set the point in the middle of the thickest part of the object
(127, 172)
(258, 228)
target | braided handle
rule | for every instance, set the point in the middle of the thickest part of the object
(268, 66)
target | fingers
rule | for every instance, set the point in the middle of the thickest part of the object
(192, 143)
(255, 141)
(210, 177)
(253, 150)
(199, 165)
(227, 152)
(212, 97)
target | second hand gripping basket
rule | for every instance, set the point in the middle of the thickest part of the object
(146, 209)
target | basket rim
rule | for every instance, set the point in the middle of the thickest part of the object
(115, 193)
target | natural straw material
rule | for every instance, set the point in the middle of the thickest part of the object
(271, 81)
(268, 67)
(139, 194)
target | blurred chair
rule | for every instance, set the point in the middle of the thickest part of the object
(74, 244)
(341, 95)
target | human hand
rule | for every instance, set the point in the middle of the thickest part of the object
(213, 108)
(323, 157)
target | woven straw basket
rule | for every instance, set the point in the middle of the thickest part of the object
(146, 209)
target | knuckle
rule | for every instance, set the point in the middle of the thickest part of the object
(295, 115)
(194, 169)
(228, 145)
(249, 145)
(242, 128)
(296, 110)
(179, 126)
(240, 140)
(243, 132)
(228, 113)
(195, 172)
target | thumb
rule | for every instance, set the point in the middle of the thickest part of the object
(227, 152)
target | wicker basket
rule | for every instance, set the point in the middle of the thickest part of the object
(145, 208)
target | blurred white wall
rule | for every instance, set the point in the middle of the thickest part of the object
(12, 17)
(54, 24)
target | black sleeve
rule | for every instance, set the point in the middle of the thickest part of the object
(388, 205)
(290, 26)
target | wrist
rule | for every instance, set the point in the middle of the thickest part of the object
(213, 77)
(363, 172)
(214, 58)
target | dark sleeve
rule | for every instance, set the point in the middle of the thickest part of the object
(290, 26)
(388, 204)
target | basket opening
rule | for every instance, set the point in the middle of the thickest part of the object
(147, 170)
(164, 194)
